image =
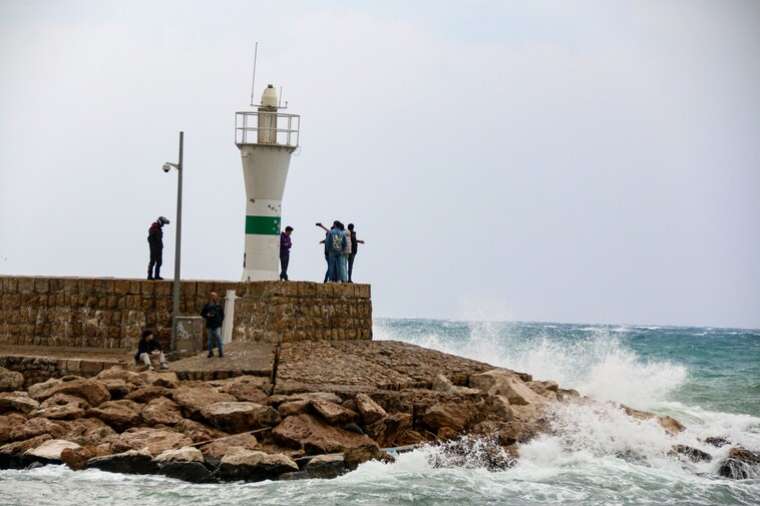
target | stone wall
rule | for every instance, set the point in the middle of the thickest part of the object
(110, 313)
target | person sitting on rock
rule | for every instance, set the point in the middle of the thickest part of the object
(147, 347)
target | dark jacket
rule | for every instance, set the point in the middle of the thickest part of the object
(145, 346)
(213, 314)
(156, 236)
(285, 243)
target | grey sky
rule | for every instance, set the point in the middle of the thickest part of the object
(559, 161)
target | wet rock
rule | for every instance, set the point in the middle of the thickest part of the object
(325, 466)
(62, 407)
(394, 430)
(456, 415)
(50, 450)
(292, 408)
(369, 410)
(12, 454)
(497, 407)
(251, 465)
(194, 399)
(216, 450)
(161, 411)
(17, 401)
(508, 384)
(503, 433)
(691, 453)
(153, 441)
(717, 442)
(77, 458)
(315, 436)
(740, 464)
(198, 432)
(240, 416)
(566, 394)
(333, 413)
(146, 394)
(670, 424)
(128, 462)
(471, 452)
(10, 380)
(359, 455)
(120, 414)
(93, 391)
(184, 464)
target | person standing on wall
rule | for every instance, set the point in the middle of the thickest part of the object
(325, 241)
(156, 244)
(354, 247)
(213, 313)
(336, 242)
(285, 245)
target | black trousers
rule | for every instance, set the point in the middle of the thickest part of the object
(156, 255)
(284, 261)
(351, 266)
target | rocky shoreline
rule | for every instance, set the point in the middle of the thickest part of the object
(317, 422)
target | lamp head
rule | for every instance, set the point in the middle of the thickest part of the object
(167, 167)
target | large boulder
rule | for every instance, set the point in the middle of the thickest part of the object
(352, 457)
(154, 441)
(77, 458)
(456, 415)
(50, 450)
(128, 462)
(370, 411)
(740, 464)
(119, 373)
(276, 400)
(10, 380)
(161, 411)
(198, 432)
(8, 424)
(247, 389)
(216, 450)
(36, 426)
(315, 436)
(508, 384)
(193, 399)
(88, 432)
(291, 408)
(240, 416)
(12, 454)
(62, 407)
(394, 430)
(333, 413)
(120, 414)
(670, 424)
(160, 379)
(93, 391)
(118, 388)
(184, 464)
(146, 394)
(17, 401)
(325, 466)
(252, 465)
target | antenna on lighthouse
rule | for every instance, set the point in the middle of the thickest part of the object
(253, 79)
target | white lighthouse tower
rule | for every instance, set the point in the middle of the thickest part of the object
(266, 138)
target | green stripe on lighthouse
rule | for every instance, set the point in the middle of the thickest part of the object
(262, 225)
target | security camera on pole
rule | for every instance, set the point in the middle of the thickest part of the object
(266, 138)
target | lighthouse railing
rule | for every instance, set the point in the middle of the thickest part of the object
(267, 127)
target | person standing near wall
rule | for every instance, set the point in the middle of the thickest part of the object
(213, 313)
(156, 244)
(354, 248)
(285, 244)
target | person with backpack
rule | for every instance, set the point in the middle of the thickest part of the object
(346, 254)
(354, 247)
(213, 313)
(336, 241)
(156, 245)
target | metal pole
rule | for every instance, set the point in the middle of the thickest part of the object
(177, 246)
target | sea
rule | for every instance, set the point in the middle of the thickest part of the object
(708, 378)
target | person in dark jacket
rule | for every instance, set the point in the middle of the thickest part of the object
(148, 346)
(213, 313)
(285, 244)
(354, 247)
(156, 243)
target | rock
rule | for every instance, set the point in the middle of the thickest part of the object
(160, 379)
(154, 441)
(161, 411)
(497, 407)
(247, 389)
(292, 408)
(10, 380)
(240, 416)
(36, 426)
(17, 401)
(369, 410)
(184, 454)
(120, 414)
(119, 373)
(332, 413)
(691, 453)
(77, 458)
(394, 430)
(547, 389)
(717, 442)
(566, 394)
(470, 452)
(93, 391)
(146, 394)
(352, 457)
(198, 432)
(442, 384)
(508, 384)
(88, 432)
(194, 399)
(50, 450)
(453, 414)
(276, 400)
(184, 464)
(315, 436)
(216, 450)
(671, 425)
(118, 388)
(12, 454)
(62, 407)
(504, 433)
(740, 464)
(251, 465)
(128, 462)
(8, 423)
(326, 466)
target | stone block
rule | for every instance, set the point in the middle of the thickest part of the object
(25, 285)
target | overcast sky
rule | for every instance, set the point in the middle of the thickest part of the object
(554, 161)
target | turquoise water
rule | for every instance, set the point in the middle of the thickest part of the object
(707, 378)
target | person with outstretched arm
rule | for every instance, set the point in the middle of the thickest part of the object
(354, 247)
(327, 250)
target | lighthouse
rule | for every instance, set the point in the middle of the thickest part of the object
(266, 138)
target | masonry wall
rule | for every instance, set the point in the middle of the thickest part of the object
(110, 313)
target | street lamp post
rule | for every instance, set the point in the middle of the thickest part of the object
(178, 243)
